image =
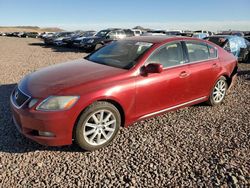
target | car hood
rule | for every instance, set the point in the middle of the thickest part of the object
(62, 78)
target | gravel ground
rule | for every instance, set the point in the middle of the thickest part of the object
(199, 146)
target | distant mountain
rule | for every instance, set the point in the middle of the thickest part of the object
(29, 29)
(52, 29)
(142, 28)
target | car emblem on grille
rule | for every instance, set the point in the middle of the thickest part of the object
(16, 94)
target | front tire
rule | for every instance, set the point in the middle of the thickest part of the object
(218, 92)
(97, 126)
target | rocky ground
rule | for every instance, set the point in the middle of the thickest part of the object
(199, 146)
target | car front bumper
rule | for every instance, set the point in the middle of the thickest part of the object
(31, 124)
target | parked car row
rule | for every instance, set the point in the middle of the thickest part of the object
(235, 42)
(88, 40)
(21, 34)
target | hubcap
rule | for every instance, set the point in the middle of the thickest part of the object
(219, 91)
(99, 127)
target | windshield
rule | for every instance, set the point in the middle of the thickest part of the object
(63, 34)
(220, 41)
(88, 34)
(102, 33)
(120, 54)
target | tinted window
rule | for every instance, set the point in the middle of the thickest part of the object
(120, 32)
(112, 34)
(168, 55)
(102, 33)
(197, 51)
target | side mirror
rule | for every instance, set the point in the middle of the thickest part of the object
(152, 68)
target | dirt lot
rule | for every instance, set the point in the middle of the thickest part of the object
(200, 146)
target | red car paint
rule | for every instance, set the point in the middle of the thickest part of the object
(136, 96)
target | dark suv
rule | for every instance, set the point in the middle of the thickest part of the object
(103, 37)
(60, 35)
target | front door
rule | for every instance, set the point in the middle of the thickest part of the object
(158, 91)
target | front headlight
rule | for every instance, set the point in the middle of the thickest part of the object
(53, 103)
(90, 41)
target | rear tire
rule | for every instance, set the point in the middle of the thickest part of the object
(98, 125)
(244, 55)
(218, 92)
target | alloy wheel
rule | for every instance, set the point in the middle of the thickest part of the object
(219, 91)
(99, 127)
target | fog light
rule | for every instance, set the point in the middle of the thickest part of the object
(45, 133)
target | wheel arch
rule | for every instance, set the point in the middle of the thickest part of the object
(119, 108)
(112, 101)
(229, 78)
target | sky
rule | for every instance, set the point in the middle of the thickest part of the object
(100, 14)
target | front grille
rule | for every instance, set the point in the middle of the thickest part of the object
(19, 98)
(85, 40)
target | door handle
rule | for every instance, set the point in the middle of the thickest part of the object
(214, 65)
(184, 74)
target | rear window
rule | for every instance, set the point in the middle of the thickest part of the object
(212, 52)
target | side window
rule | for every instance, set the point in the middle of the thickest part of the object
(120, 34)
(112, 34)
(169, 55)
(212, 52)
(197, 51)
(234, 44)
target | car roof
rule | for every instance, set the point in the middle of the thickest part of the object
(223, 36)
(158, 39)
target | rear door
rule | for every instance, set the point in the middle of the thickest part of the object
(203, 66)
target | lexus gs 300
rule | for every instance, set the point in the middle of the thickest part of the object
(88, 100)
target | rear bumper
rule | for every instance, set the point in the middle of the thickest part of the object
(30, 123)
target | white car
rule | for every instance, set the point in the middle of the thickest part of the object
(209, 33)
(137, 32)
(47, 34)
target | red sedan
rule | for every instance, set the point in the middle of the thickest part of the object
(87, 100)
